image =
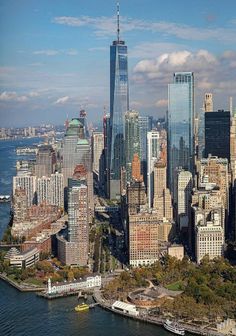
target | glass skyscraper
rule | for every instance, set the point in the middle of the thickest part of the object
(119, 104)
(132, 140)
(180, 125)
(217, 134)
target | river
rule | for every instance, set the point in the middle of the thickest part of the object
(25, 314)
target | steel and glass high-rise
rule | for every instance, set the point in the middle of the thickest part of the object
(119, 104)
(180, 125)
(217, 134)
(132, 140)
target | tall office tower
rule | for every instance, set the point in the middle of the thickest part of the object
(132, 140)
(136, 169)
(162, 197)
(83, 154)
(28, 183)
(83, 119)
(97, 148)
(57, 190)
(180, 125)
(44, 190)
(119, 104)
(123, 181)
(208, 102)
(233, 172)
(209, 234)
(143, 239)
(82, 174)
(214, 170)
(153, 153)
(74, 132)
(184, 190)
(106, 160)
(45, 161)
(217, 134)
(233, 147)
(20, 206)
(136, 197)
(144, 128)
(207, 107)
(213, 173)
(78, 227)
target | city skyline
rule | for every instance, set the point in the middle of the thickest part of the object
(55, 60)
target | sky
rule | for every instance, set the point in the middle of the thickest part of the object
(54, 55)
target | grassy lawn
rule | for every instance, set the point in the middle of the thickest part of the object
(175, 286)
(33, 281)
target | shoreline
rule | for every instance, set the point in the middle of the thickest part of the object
(154, 320)
(19, 287)
(190, 328)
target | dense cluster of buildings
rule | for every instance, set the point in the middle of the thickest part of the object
(174, 179)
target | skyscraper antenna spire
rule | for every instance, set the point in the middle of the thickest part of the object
(118, 21)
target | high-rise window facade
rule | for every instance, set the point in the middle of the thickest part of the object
(132, 140)
(119, 104)
(180, 124)
(217, 134)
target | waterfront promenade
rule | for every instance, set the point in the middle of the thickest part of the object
(153, 319)
(21, 287)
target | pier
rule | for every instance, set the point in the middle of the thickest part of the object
(153, 319)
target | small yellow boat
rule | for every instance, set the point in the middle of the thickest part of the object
(82, 307)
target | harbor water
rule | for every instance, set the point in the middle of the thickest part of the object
(26, 314)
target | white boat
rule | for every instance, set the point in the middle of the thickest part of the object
(173, 327)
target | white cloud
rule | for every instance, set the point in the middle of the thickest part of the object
(52, 52)
(34, 94)
(62, 100)
(8, 96)
(106, 26)
(136, 104)
(161, 103)
(71, 52)
(98, 49)
(167, 63)
(47, 52)
(212, 73)
(153, 49)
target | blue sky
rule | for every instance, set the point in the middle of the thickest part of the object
(55, 55)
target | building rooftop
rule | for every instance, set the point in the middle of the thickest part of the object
(83, 142)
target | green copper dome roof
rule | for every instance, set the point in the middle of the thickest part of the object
(73, 128)
(82, 142)
(75, 123)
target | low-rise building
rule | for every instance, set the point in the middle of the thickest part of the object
(68, 287)
(125, 308)
(176, 251)
(22, 260)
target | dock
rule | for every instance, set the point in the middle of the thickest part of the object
(153, 319)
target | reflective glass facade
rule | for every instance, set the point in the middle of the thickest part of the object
(132, 140)
(217, 134)
(180, 125)
(119, 104)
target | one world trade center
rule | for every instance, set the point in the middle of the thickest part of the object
(119, 104)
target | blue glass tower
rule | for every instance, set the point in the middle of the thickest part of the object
(180, 125)
(119, 104)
